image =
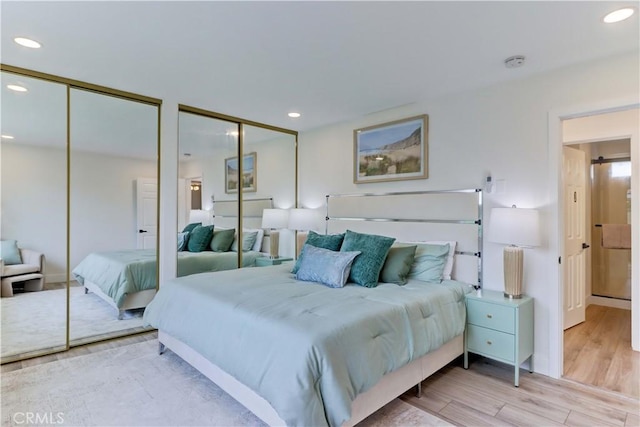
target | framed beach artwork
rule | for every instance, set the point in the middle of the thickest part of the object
(248, 176)
(391, 151)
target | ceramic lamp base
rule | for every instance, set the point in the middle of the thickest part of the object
(301, 237)
(274, 243)
(513, 261)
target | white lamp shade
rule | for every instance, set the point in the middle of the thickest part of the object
(302, 219)
(275, 218)
(514, 226)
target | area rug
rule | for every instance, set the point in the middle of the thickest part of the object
(133, 386)
(36, 320)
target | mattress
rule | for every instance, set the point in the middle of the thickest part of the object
(307, 349)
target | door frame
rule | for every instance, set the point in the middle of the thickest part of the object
(556, 228)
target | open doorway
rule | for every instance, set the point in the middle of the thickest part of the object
(597, 262)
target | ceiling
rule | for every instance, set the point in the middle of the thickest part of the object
(331, 61)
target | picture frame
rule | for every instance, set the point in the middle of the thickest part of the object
(249, 174)
(392, 151)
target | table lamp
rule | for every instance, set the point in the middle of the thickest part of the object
(302, 220)
(274, 219)
(517, 228)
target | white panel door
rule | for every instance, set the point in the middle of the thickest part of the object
(147, 210)
(574, 257)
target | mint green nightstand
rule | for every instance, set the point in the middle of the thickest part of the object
(499, 328)
(264, 261)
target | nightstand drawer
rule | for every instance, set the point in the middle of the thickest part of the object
(494, 316)
(490, 343)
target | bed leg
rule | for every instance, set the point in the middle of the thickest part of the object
(86, 290)
(161, 348)
(419, 390)
(120, 314)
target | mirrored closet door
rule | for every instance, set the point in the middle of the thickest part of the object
(33, 224)
(113, 214)
(231, 173)
(79, 170)
(272, 174)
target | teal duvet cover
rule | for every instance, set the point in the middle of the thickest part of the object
(119, 273)
(308, 349)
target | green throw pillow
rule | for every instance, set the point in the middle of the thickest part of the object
(222, 240)
(200, 238)
(248, 240)
(366, 268)
(323, 241)
(429, 262)
(10, 253)
(398, 264)
(183, 238)
(189, 227)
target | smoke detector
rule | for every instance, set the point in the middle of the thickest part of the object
(514, 61)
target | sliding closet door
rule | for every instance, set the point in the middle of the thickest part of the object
(270, 173)
(207, 187)
(113, 213)
(33, 156)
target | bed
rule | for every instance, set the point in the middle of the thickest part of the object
(301, 353)
(127, 279)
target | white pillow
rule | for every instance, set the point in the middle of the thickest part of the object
(448, 266)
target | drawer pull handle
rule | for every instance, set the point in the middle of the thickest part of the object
(489, 316)
(489, 342)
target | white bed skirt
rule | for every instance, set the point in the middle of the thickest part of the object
(388, 388)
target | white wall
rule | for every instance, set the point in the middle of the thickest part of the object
(501, 130)
(102, 210)
(34, 203)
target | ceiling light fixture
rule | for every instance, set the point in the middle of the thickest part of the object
(17, 88)
(618, 15)
(294, 115)
(7, 137)
(22, 41)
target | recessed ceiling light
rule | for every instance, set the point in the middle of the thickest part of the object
(7, 137)
(27, 42)
(294, 115)
(618, 15)
(17, 88)
(233, 133)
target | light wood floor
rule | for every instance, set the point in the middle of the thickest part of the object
(483, 395)
(598, 351)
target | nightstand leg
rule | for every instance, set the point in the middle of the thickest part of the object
(517, 376)
(531, 364)
(466, 360)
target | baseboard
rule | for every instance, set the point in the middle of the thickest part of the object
(609, 302)
(55, 278)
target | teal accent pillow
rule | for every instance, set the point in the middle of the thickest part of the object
(248, 240)
(366, 268)
(331, 242)
(398, 264)
(222, 240)
(183, 238)
(9, 252)
(324, 266)
(200, 238)
(429, 262)
(189, 227)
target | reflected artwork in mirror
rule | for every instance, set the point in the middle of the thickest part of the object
(33, 223)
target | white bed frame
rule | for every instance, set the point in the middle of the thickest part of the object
(135, 300)
(388, 388)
